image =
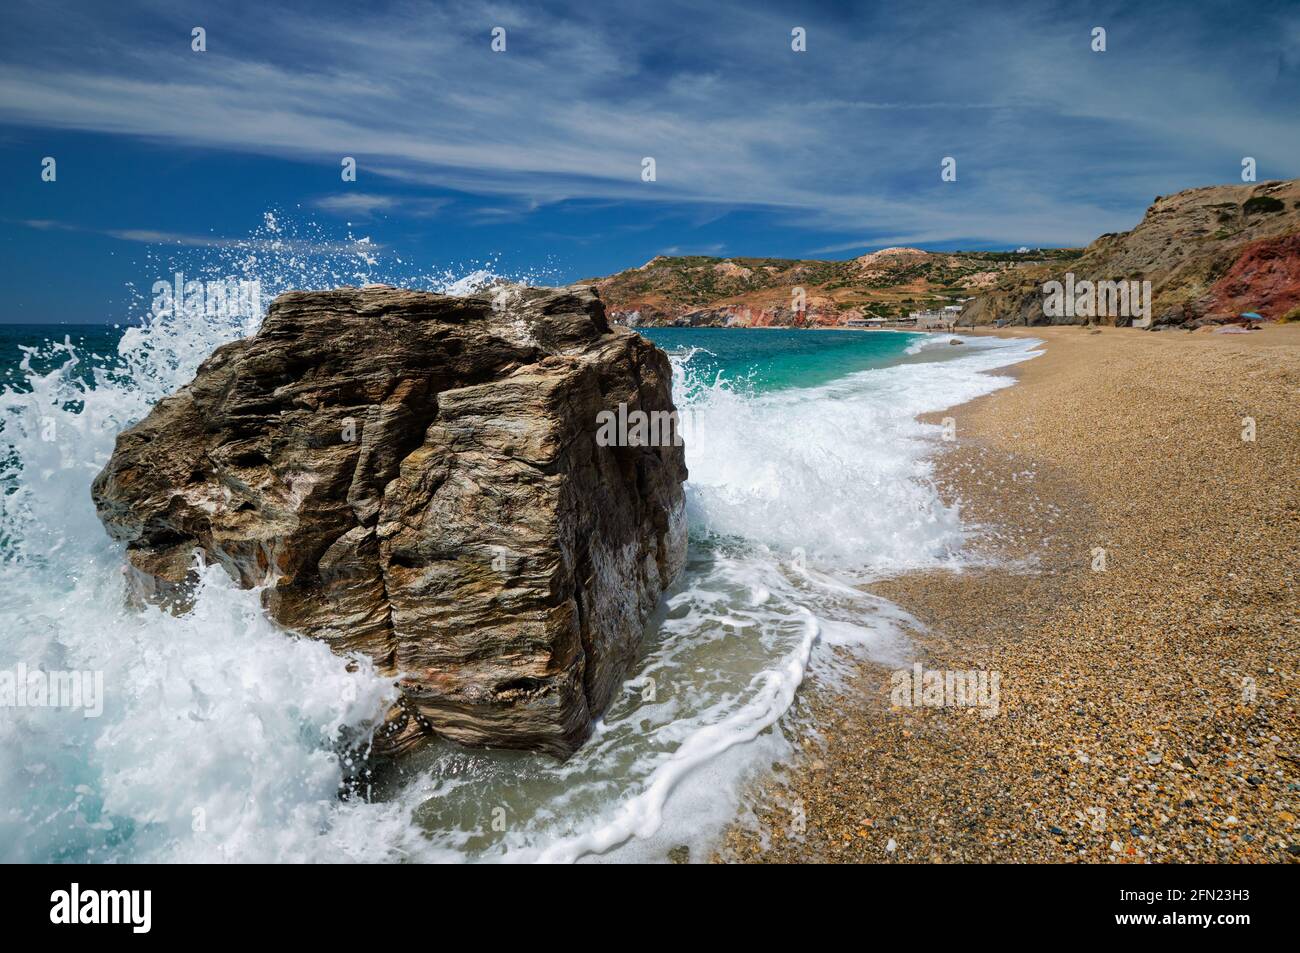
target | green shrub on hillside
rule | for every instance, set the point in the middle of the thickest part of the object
(1261, 204)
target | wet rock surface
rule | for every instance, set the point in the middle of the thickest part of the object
(416, 477)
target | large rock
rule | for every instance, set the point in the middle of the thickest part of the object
(417, 477)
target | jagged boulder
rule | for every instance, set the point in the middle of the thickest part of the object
(417, 477)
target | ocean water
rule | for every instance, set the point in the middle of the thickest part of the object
(223, 738)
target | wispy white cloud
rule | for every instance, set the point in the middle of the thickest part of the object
(366, 204)
(1054, 143)
(149, 236)
(715, 248)
(355, 203)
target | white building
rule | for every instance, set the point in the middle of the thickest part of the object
(930, 320)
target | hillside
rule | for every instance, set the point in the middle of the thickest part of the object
(1209, 253)
(758, 292)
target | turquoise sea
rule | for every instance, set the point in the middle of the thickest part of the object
(768, 358)
(774, 358)
(44, 339)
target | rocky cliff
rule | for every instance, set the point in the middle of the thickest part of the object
(1209, 253)
(761, 292)
(416, 477)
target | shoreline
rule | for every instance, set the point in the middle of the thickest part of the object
(1148, 709)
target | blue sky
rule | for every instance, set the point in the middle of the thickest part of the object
(529, 160)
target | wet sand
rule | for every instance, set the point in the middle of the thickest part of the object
(1147, 704)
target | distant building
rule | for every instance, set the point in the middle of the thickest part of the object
(931, 320)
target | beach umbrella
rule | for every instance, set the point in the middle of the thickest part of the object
(1252, 316)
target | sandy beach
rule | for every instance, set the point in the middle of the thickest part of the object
(1139, 604)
